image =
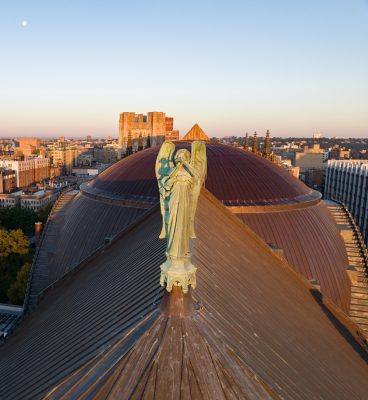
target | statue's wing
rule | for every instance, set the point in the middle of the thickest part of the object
(164, 160)
(199, 165)
(199, 159)
(163, 168)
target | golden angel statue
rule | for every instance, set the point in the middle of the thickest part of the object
(180, 181)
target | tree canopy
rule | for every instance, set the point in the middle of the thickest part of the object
(14, 253)
(18, 289)
(23, 218)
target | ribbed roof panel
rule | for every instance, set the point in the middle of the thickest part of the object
(248, 299)
(234, 176)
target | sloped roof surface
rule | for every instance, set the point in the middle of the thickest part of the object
(83, 314)
(195, 133)
(310, 243)
(247, 297)
(166, 363)
(74, 234)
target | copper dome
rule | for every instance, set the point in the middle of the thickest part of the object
(234, 176)
(282, 210)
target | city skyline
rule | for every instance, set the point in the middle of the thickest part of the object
(295, 69)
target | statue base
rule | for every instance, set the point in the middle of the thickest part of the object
(178, 272)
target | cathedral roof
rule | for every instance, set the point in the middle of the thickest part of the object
(195, 133)
(281, 209)
(257, 325)
(234, 176)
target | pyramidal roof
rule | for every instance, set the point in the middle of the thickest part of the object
(195, 133)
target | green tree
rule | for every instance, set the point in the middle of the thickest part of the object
(14, 218)
(14, 252)
(13, 242)
(18, 289)
(44, 213)
(23, 218)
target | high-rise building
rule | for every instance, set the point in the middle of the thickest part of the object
(347, 181)
(154, 125)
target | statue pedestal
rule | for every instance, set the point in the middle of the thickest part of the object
(178, 272)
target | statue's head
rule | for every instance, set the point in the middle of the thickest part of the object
(182, 155)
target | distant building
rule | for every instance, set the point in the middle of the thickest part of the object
(8, 180)
(37, 200)
(34, 201)
(28, 146)
(311, 162)
(107, 154)
(85, 172)
(30, 171)
(154, 125)
(339, 153)
(85, 158)
(347, 181)
(286, 164)
(42, 168)
(63, 157)
(8, 200)
(310, 158)
(172, 135)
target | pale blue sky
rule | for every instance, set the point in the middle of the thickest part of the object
(292, 66)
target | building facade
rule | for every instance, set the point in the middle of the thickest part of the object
(347, 181)
(30, 171)
(310, 158)
(107, 154)
(154, 125)
(37, 200)
(8, 200)
(34, 201)
(63, 157)
(8, 180)
(28, 146)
